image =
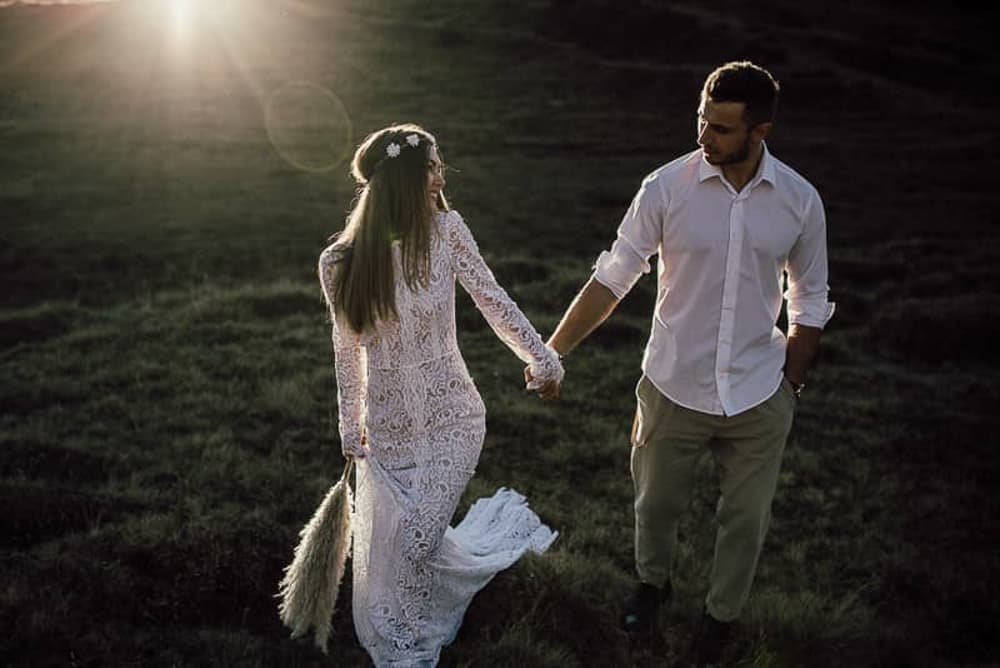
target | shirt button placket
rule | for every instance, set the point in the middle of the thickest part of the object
(729, 288)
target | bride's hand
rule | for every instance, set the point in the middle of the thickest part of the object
(357, 450)
(546, 389)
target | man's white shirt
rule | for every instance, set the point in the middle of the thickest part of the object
(723, 255)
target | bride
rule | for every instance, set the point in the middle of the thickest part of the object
(409, 412)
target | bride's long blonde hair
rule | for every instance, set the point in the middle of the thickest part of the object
(390, 167)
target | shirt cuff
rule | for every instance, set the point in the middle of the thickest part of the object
(617, 274)
(810, 312)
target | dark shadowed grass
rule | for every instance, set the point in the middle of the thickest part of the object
(167, 405)
(208, 440)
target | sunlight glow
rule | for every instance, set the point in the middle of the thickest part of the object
(185, 16)
(181, 15)
(181, 9)
(189, 22)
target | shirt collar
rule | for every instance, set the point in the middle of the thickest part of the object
(764, 173)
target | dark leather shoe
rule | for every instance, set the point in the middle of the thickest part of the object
(710, 640)
(642, 608)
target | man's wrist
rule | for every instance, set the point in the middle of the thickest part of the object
(557, 348)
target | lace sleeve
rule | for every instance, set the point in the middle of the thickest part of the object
(500, 311)
(350, 364)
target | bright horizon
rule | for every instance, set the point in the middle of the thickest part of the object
(12, 3)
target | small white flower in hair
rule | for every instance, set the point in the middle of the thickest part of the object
(392, 149)
(412, 140)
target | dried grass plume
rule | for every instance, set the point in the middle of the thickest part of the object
(308, 591)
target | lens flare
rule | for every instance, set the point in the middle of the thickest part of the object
(308, 126)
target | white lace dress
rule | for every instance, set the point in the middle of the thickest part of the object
(406, 386)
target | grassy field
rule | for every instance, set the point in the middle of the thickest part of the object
(167, 416)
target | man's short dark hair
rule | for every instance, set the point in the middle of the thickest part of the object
(742, 81)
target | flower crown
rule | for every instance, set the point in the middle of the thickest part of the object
(393, 149)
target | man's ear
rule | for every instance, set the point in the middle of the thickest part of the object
(761, 131)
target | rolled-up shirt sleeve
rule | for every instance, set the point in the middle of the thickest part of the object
(639, 237)
(808, 290)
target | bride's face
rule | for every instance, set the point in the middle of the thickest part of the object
(435, 176)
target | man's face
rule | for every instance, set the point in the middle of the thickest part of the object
(723, 134)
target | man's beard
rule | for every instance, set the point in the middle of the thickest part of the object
(737, 156)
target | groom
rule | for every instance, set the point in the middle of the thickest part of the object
(727, 221)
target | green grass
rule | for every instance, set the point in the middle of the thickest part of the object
(166, 382)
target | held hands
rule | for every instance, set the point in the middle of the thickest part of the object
(547, 374)
(546, 389)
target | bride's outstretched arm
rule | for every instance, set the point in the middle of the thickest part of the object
(503, 315)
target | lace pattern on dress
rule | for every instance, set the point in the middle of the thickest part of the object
(406, 387)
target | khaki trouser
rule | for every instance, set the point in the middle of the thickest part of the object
(668, 440)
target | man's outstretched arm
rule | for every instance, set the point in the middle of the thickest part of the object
(590, 308)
